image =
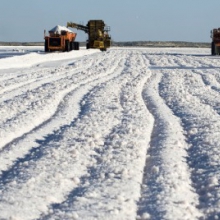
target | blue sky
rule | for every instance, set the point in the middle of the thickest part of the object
(129, 20)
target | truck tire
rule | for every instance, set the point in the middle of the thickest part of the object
(217, 50)
(87, 46)
(46, 49)
(71, 45)
(213, 52)
(76, 45)
(67, 46)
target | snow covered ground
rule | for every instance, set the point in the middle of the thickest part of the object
(127, 134)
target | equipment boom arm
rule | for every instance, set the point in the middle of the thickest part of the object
(78, 26)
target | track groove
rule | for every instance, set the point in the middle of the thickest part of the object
(132, 133)
(63, 111)
(159, 183)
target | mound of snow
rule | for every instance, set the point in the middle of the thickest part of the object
(57, 29)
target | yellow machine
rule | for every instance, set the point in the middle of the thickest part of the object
(97, 31)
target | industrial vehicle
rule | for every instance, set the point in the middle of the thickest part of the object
(97, 31)
(215, 45)
(60, 39)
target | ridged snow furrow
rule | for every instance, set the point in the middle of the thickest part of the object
(119, 162)
(10, 78)
(41, 78)
(37, 76)
(201, 122)
(25, 112)
(192, 61)
(131, 133)
(64, 114)
(52, 170)
(32, 79)
(211, 90)
(180, 61)
(166, 191)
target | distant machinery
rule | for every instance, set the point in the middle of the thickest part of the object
(215, 45)
(60, 39)
(97, 31)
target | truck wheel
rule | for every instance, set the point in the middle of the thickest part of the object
(217, 49)
(213, 52)
(87, 46)
(71, 45)
(67, 45)
(76, 45)
(46, 49)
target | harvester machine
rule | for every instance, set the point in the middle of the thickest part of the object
(97, 31)
(60, 39)
(215, 45)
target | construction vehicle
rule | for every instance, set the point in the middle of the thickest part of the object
(97, 31)
(215, 45)
(60, 39)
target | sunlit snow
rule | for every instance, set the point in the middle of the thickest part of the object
(126, 134)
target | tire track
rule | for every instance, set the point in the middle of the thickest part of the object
(166, 181)
(103, 175)
(57, 161)
(203, 154)
(45, 75)
(62, 116)
(211, 91)
(37, 109)
(148, 151)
